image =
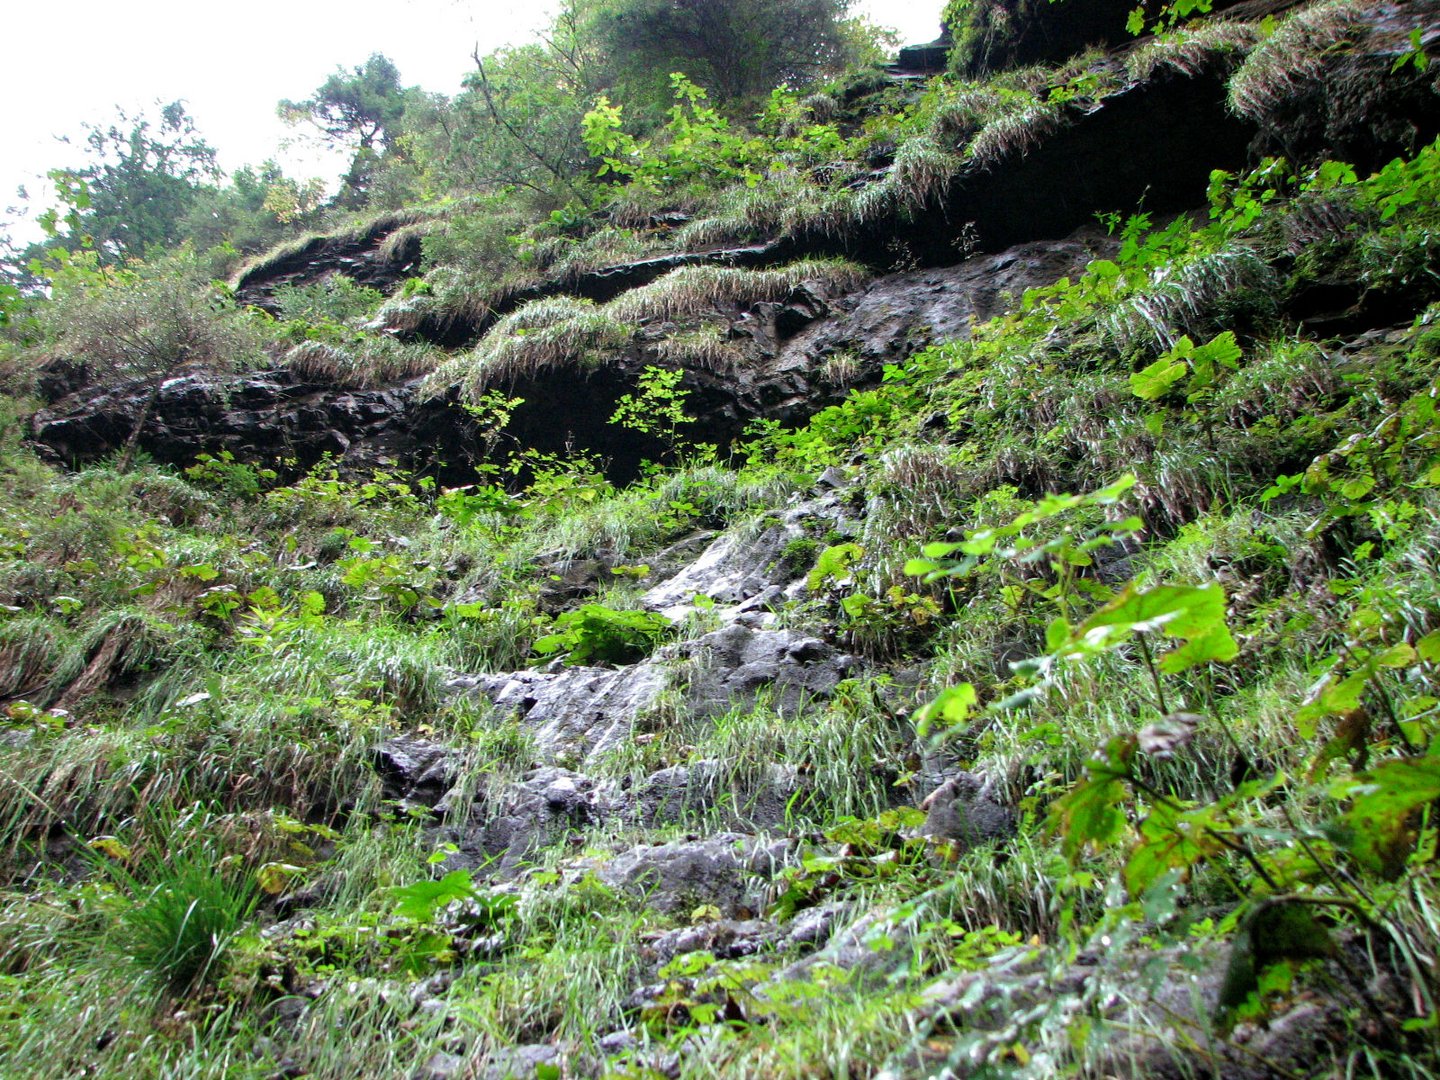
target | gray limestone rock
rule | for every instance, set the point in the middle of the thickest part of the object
(578, 713)
(548, 804)
(730, 871)
(736, 662)
(415, 770)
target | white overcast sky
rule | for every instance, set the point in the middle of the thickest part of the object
(64, 65)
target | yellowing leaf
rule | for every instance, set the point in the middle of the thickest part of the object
(274, 876)
(109, 845)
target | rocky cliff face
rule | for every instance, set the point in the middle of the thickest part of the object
(1157, 140)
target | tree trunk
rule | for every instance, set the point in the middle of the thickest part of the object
(127, 453)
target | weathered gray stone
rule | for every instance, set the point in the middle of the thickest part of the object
(546, 805)
(415, 770)
(736, 662)
(576, 714)
(964, 810)
(725, 939)
(700, 789)
(730, 871)
(517, 1062)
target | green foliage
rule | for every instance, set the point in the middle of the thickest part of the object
(1201, 363)
(148, 325)
(364, 103)
(425, 900)
(179, 916)
(698, 146)
(717, 43)
(143, 177)
(337, 299)
(835, 567)
(657, 408)
(1168, 17)
(237, 480)
(596, 633)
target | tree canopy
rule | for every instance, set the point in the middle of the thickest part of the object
(733, 48)
(364, 104)
(142, 180)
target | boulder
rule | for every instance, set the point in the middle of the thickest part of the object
(728, 871)
(965, 811)
(735, 663)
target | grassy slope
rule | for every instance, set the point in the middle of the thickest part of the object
(208, 661)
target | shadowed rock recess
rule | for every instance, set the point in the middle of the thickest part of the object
(1037, 678)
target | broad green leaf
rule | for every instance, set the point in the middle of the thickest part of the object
(1428, 647)
(1379, 815)
(1216, 644)
(1396, 656)
(1169, 840)
(1332, 699)
(1223, 351)
(951, 708)
(1056, 634)
(1089, 814)
(423, 900)
(1154, 382)
(1195, 614)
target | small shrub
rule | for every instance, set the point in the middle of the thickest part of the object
(596, 633)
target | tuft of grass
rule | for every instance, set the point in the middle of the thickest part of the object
(544, 334)
(566, 331)
(377, 227)
(921, 175)
(180, 916)
(1017, 132)
(708, 347)
(690, 291)
(1187, 298)
(31, 647)
(1294, 55)
(372, 360)
(1191, 50)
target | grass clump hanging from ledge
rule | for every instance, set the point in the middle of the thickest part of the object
(561, 331)
(542, 334)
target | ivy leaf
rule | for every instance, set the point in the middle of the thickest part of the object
(1223, 350)
(1215, 644)
(1193, 614)
(1428, 647)
(1170, 839)
(274, 876)
(424, 899)
(951, 708)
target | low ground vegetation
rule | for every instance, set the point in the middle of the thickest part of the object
(1152, 556)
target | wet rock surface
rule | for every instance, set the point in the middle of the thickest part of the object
(260, 417)
(735, 664)
(364, 257)
(267, 415)
(1047, 192)
(899, 313)
(576, 714)
(415, 771)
